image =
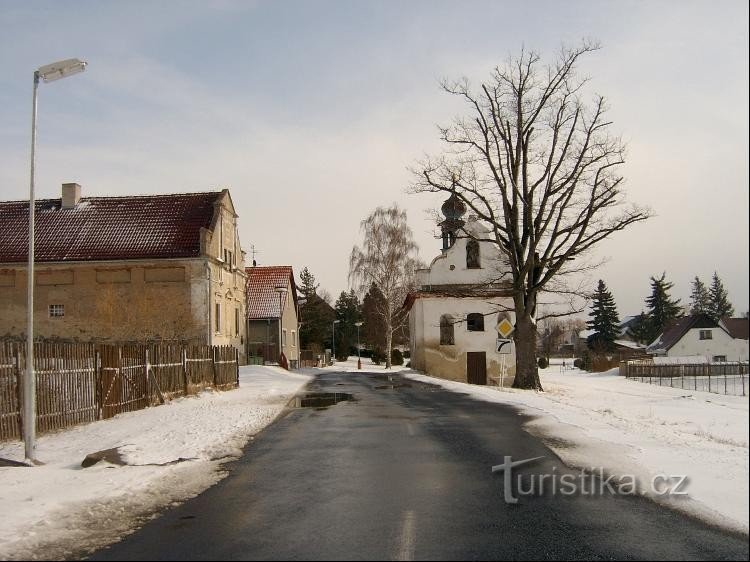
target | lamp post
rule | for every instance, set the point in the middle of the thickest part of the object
(359, 353)
(333, 331)
(48, 73)
(281, 289)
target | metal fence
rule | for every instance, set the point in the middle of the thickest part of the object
(79, 383)
(729, 378)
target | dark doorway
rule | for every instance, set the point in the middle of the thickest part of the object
(476, 367)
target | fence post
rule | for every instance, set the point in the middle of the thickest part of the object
(184, 371)
(237, 367)
(213, 366)
(98, 379)
(146, 367)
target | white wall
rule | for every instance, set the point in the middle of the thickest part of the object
(721, 344)
(440, 272)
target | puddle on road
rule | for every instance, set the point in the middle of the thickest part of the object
(319, 399)
(392, 386)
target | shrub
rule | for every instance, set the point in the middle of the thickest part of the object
(578, 363)
(396, 357)
(543, 362)
(378, 356)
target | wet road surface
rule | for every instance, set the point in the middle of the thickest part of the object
(401, 470)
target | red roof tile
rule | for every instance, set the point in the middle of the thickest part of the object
(262, 298)
(107, 228)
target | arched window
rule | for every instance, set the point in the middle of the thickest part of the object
(446, 330)
(475, 322)
(472, 255)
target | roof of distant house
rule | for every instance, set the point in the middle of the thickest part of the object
(262, 298)
(738, 327)
(674, 333)
(108, 228)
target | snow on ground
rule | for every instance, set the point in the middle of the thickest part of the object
(60, 509)
(602, 420)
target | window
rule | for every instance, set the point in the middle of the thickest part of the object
(706, 335)
(720, 359)
(217, 317)
(294, 339)
(475, 322)
(472, 255)
(236, 321)
(446, 330)
(283, 339)
(56, 310)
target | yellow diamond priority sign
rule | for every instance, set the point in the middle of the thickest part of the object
(505, 328)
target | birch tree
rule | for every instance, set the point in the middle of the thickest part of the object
(388, 259)
(539, 165)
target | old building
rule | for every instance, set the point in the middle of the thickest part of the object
(460, 318)
(272, 296)
(156, 267)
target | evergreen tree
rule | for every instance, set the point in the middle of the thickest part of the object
(348, 313)
(662, 310)
(604, 320)
(718, 300)
(316, 315)
(374, 309)
(640, 330)
(699, 298)
(307, 286)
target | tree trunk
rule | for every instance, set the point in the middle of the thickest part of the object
(388, 341)
(527, 372)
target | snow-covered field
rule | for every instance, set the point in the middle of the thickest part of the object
(631, 428)
(59, 509)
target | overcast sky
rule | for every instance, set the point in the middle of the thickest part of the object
(311, 112)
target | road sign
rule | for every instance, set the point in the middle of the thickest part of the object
(504, 346)
(505, 328)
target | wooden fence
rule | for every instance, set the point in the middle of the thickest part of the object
(80, 383)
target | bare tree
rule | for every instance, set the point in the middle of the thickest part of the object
(540, 167)
(387, 259)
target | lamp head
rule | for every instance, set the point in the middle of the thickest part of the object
(61, 69)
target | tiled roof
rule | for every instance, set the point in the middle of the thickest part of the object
(262, 298)
(738, 327)
(107, 228)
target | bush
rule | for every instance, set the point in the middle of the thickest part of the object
(396, 357)
(578, 363)
(378, 356)
(543, 362)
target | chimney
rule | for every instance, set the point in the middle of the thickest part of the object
(71, 195)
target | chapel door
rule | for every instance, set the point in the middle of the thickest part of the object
(476, 367)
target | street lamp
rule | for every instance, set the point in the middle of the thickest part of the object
(359, 353)
(282, 290)
(48, 73)
(333, 330)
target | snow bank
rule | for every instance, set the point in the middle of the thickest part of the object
(60, 509)
(626, 427)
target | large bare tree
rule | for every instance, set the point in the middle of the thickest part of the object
(387, 259)
(540, 167)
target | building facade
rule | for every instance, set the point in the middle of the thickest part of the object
(460, 317)
(118, 269)
(700, 336)
(272, 315)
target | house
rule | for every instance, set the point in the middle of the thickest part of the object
(272, 295)
(699, 336)
(141, 267)
(460, 316)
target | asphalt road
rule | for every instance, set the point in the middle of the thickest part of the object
(405, 473)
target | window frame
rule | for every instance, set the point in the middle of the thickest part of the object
(447, 330)
(56, 311)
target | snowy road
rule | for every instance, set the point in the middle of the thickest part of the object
(405, 472)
